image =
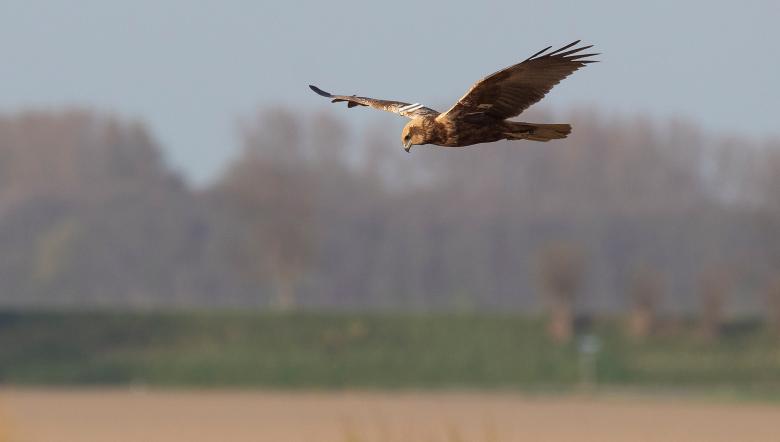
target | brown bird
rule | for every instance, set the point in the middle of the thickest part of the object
(481, 115)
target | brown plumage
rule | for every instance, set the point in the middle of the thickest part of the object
(481, 115)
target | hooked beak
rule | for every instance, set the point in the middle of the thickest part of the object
(407, 145)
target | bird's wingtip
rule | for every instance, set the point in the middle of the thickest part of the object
(319, 91)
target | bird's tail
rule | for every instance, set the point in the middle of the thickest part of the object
(537, 132)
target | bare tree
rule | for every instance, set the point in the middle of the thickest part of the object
(773, 303)
(561, 277)
(714, 286)
(769, 222)
(271, 190)
(646, 289)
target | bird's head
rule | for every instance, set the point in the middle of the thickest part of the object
(413, 133)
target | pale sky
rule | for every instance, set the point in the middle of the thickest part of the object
(190, 69)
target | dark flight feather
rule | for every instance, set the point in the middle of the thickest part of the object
(539, 53)
(564, 48)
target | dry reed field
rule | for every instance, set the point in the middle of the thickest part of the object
(87, 415)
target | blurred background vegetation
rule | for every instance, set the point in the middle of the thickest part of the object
(467, 267)
(316, 350)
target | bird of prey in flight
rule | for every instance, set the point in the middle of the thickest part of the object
(481, 115)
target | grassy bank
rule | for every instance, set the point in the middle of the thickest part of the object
(305, 350)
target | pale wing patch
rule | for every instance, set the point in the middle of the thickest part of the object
(410, 107)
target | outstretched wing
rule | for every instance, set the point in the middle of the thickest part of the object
(413, 110)
(510, 91)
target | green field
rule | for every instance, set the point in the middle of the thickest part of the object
(307, 350)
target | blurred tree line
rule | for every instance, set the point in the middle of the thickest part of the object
(628, 214)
